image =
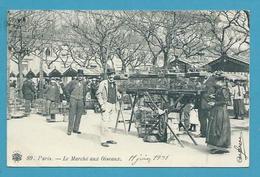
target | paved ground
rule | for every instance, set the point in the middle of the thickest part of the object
(46, 144)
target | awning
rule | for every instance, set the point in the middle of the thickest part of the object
(55, 73)
(12, 74)
(234, 77)
(70, 72)
(44, 74)
(30, 74)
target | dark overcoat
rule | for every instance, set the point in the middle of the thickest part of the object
(28, 90)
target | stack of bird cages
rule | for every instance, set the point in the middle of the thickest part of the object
(148, 83)
(144, 121)
(186, 83)
(16, 105)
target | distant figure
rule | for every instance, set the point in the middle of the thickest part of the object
(185, 114)
(238, 93)
(107, 95)
(13, 84)
(63, 98)
(94, 87)
(28, 91)
(62, 90)
(93, 90)
(76, 96)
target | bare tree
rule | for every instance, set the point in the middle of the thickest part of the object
(168, 33)
(81, 37)
(96, 33)
(127, 47)
(26, 31)
(242, 27)
(229, 30)
(193, 39)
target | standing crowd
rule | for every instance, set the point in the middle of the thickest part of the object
(56, 95)
(212, 106)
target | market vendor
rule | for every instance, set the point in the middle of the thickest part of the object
(219, 133)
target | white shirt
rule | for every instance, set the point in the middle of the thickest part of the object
(235, 92)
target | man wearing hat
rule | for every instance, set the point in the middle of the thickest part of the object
(107, 95)
(76, 95)
(238, 93)
(28, 91)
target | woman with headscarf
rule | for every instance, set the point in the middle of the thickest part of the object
(53, 99)
(219, 132)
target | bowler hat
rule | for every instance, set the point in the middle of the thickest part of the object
(110, 70)
(80, 72)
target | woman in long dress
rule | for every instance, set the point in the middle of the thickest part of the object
(219, 132)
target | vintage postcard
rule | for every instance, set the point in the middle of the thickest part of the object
(106, 88)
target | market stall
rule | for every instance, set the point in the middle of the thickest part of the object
(153, 93)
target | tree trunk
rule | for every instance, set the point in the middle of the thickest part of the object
(104, 65)
(248, 18)
(20, 79)
(41, 77)
(154, 61)
(123, 69)
(165, 59)
(106, 56)
(105, 71)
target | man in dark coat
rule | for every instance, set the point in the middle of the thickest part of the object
(28, 91)
(204, 107)
(219, 133)
(203, 113)
(76, 95)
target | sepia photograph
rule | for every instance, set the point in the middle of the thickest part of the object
(114, 88)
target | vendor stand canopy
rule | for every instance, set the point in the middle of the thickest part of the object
(18, 75)
(182, 65)
(70, 72)
(44, 74)
(235, 77)
(228, 64)
(30, 74)
(55, 73)
(93, 72)
(11, 74)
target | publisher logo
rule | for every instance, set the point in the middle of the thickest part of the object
(17, 156)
